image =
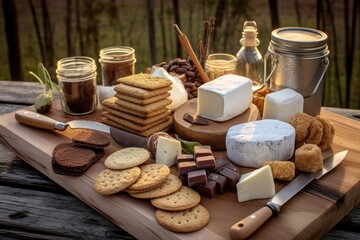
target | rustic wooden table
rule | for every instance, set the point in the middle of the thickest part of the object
(33, 206)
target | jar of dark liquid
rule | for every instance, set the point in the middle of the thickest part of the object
(116, 62)
(77, 82)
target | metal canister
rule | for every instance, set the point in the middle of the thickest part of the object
(298, 59)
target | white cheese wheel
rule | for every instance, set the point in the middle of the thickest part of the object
(224, 98)
(283, 105)
(257, 184)
(250, 144)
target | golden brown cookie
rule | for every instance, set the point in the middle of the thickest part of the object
(163, 127)
(138, 92)
(189, 220)
(145, 81)
(113, 181)
(182, 199)
(136, 119)
(308, 158)
(315, 132)
(328, 132)
(127, 158)
(301, 122)
(172, 184)
(282, 170)
(143, 101)
(144, 108)
(152, 175)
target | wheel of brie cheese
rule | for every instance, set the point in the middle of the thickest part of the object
(250, 144)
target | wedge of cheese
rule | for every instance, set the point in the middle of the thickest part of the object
(257, 184)
(250, 144)
(167, 151)
(224, 98)
(283, 105)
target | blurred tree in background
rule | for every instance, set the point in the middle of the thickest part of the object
(34, 31)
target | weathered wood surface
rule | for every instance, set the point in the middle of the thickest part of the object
(31, 205)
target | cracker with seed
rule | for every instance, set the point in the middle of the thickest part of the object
(110, 102)
(172, 184)
(143, 101)
(127, 158)
(151, 175)
(145, 108)
(182, 199)
(132, 125)
(189, 220)
(163, 127)
(112, 181)
(134, 118)
(145, 81)
(138, 92)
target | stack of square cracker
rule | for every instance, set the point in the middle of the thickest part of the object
(140, 105)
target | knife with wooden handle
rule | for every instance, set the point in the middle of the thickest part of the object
(123, 138)
(247, 226)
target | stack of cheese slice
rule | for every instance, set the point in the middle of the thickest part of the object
(140, 105)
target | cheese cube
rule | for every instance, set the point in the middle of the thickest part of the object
(257, 184)
(250, 144)
(283, 105)
(224, 98)
(167, 151)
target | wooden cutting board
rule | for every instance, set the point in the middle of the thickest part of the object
(309, 215)
(213, 134)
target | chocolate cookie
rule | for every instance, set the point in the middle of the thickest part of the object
(91, 139)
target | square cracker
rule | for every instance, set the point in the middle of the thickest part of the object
(136, 119)
(144, 108)
(145, 81)
(143, 101)
(139, 92)
(110, 102)
(131, 125)
(163, 127)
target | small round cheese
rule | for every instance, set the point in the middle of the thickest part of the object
(250, 144)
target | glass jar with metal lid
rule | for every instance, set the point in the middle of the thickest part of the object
(77, 83)
(116, 62)
(298, 59)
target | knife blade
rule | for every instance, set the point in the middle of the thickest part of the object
(123, 138)
(247, 226)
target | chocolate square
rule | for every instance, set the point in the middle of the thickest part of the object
(197, 177)
(207, 189)
(185, 167)
(200, 151)
(220, 182)
(206, 162)
(232, 178)
(185, 158)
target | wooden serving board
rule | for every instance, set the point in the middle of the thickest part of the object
(213, 134)
(309, 215)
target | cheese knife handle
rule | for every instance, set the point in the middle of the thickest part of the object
(247, 226)
(38, 120)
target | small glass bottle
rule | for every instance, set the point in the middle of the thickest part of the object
(116, 62)
(250, 63)
(219, 64)
(77, 83)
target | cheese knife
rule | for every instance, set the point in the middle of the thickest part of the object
(123, 138)
(247, 226)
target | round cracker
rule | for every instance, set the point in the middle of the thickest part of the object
(182, 199)
(127, 158)
(189, 220)
(172, 184)
(113, 181)
(151, 175)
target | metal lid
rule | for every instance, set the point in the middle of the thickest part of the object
(299, 37)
